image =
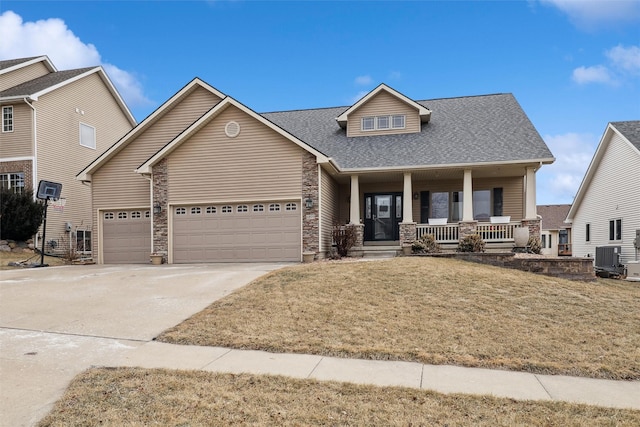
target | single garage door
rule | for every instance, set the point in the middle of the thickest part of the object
(237, 232)
(126, 236)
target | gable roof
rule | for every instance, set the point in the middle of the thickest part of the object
(9, 65)
(474, 130)
(145, 168)
(629, 131)
(553, 216)
(425, 113)
(85, 174)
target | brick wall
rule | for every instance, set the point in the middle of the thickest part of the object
(160, 221)
(24, 166)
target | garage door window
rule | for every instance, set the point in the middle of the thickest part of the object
(136, 215)
(227, 209)
(108, 215)
(181, 211)
(147, 214)
(195, 211)
(258, 208)
(242, 208)
(122, 215)
(274, 207)
(211, 209)
(291, 207)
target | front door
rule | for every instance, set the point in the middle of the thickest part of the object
(382, 214)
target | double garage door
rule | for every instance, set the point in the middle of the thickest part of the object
(126, 236)
(261, 231)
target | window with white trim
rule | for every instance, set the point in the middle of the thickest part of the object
(108, 215)
(615, 229)
(227, 209)
(587, 232)
(83, 241)
(122, 215)
(258, 208)
(368, 123)
(274, 207)
(383, 122)
(291, 207)
(242, 208)
(136, 215)
(211, 210)
(13, 182)
(87, 136)
(396, 121)
(181, 211)
(196, 211)
(7, 118)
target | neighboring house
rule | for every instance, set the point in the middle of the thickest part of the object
(555, 235)
(205, 178)
(606, 209)
(53, 124)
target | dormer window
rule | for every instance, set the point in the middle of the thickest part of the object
(383, 122)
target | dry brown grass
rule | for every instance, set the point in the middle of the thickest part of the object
(436, 311)
(134, 397)
(7, 257)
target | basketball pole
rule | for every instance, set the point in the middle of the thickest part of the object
(44, 233)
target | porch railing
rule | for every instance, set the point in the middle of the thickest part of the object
(564, 249)
(449, 233)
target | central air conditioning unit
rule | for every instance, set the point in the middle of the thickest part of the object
(608, 261)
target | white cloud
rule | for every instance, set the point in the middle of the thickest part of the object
(595, 74)
(559, 182)
(364, 80)
(625, 58)
(358, 96)
(591, 14)
(53, 38)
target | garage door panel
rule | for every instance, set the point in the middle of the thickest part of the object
(239, 235)
(126, 236)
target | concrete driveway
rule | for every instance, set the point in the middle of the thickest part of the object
(56, 322)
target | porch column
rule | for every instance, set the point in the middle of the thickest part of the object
(467, 197)
(407, 205)
(354, 211)
(530, 211)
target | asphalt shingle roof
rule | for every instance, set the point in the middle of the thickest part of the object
(41, 83)
(553, 216)
(464, 130)
(630, 130)
(8, 63)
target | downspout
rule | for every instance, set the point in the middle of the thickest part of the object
(34, 162)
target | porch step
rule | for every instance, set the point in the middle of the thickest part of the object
(376, 251)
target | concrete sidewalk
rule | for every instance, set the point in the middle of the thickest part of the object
(440, 378)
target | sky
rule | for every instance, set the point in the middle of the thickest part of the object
(573, 65)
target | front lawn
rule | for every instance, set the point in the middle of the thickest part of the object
(436, 311)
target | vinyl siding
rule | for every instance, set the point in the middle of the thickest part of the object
(614, 193)
(118, 172)
(22, 75)
(329, 209)
(18, 143)
(258, 164)
(59, 153)
(383, 104)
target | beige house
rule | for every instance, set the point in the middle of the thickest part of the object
(606, 209)
(205, 178)
(53, 124)
(555, 234)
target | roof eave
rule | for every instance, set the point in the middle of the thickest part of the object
(43, 58)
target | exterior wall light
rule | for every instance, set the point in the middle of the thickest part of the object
(308, 203)
(157, 209)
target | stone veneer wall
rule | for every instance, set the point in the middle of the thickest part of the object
(534, 226)
(356, 250)
(161, 220)
(467, 229)
(310, 217)
(24, 166)
(407, 232)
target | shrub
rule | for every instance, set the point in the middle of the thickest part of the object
(471, 243)
(426, 244)
(534, 244)
(20, 215)
(344, 237)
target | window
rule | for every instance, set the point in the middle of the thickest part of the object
(13, 182)
(397, 122)
(383, 122)
(258, 208)
(211, 209)
(83, 241)
(136, 215)
(456, 206)
(196, 211)
(481, 204)
(587, 232)
(181, 211)
(227, 209)
(368, 123)
(242, 208)
(543, 239)
(439, 205)
(108, 215)
(615, 229)
(291, 207)
(274, 207)
(399, 207)
(550, 236)
(147, 214)
(7, 119)
(122, 215)
(87, 136)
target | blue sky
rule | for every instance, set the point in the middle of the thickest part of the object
(573, 65)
